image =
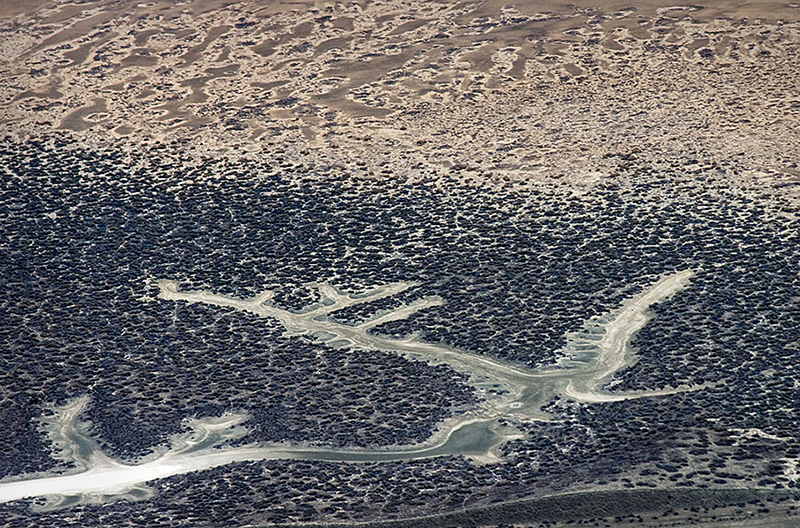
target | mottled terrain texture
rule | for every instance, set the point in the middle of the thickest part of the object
(521, 90)
(534, 164)
(517, 273)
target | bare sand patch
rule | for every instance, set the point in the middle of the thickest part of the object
(519, 90)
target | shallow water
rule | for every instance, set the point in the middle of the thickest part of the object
(590, 359)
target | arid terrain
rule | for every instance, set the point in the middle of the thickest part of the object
(521, 90)
(402, 263)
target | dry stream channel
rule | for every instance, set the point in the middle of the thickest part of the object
(510, 393)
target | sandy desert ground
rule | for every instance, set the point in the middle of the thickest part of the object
(517, 91)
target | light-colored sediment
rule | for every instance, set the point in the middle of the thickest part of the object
(475, 434)
(103, 479)
(509, 92)
(614, 332)
(611, 341)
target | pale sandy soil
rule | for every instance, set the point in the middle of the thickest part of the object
(493, 89)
